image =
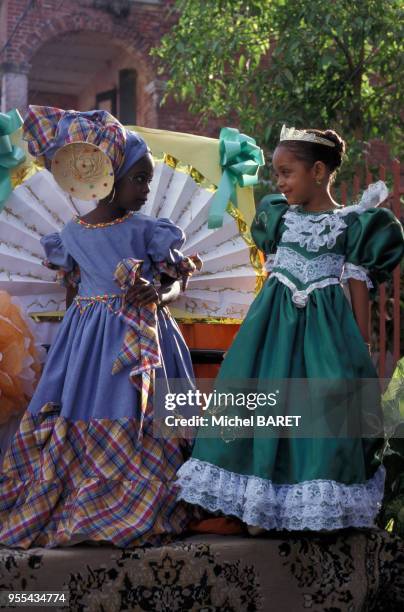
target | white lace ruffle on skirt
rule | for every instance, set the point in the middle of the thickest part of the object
(315, 504)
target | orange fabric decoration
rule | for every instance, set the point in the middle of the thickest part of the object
(19, 362)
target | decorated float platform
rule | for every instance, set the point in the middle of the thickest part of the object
(346, 571)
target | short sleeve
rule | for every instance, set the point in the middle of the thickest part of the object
(166, 241)
(374, 246)
(57, 258)
(56, 253)
(164, 250)
(265, 228)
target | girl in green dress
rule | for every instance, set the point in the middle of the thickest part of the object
(302, 326)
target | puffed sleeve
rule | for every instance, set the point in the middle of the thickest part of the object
(57, 258)
(374, 247)
(166, 241)
(265, 228)
(164, 249)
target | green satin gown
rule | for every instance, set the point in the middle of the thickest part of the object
(301, 326)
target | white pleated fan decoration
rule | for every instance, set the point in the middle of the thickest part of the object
(224, 288)
(225, 285)
(35, 208)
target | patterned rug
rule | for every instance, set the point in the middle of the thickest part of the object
(348, 571)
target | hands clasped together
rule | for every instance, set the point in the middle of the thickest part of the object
(143, 292)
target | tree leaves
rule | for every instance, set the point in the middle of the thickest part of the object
(308, 63)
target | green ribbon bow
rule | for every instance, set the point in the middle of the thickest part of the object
(10, 155)
(240, 159)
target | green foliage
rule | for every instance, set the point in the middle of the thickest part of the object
(392, 512)
(308, 63)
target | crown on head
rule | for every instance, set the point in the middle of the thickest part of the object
(293, 134)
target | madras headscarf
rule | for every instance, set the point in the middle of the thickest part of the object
(47, 129)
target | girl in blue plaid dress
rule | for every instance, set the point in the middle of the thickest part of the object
(84, 464)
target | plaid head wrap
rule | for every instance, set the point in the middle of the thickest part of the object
(47, 129)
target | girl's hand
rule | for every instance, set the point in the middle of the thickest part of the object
(142, 293)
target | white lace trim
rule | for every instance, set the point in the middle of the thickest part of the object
(301, 297)
(374, 195)
(314, 504)
(269, 263)
(357, 272)
(310, 231)
(307, 270)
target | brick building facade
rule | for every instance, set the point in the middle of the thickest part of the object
(89, 53)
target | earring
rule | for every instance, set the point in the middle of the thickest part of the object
(111, 199)
(319, 182)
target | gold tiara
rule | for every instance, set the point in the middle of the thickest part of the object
(293, 134)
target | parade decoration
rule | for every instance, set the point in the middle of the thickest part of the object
(188, 170)
(240, 160)
(19, 360)
(11, 155)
